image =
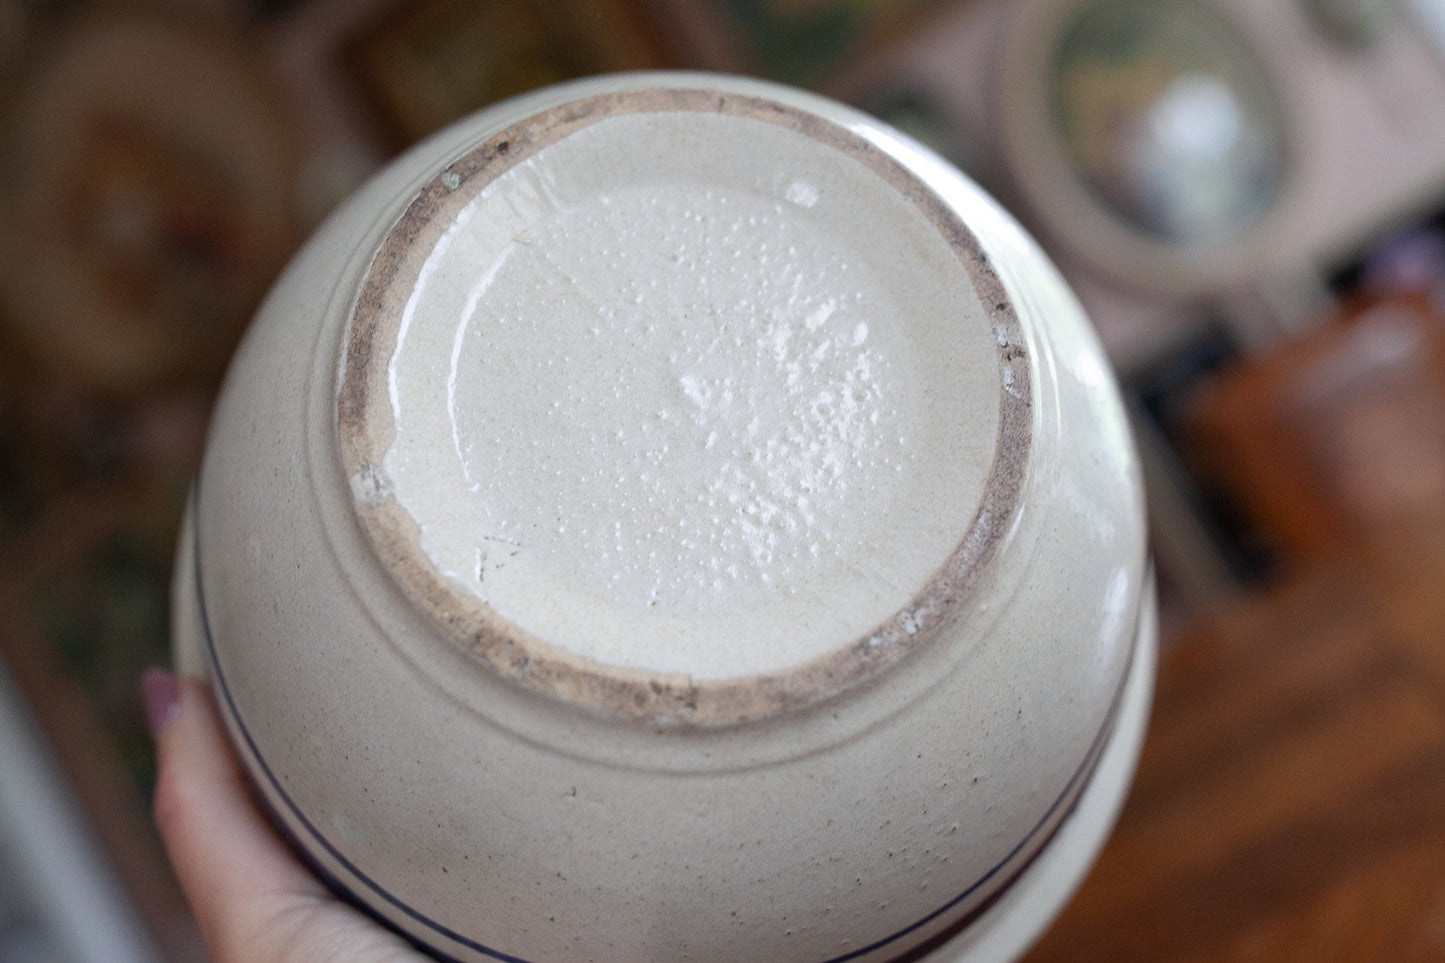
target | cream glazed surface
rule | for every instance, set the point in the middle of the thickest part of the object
(503, 558)
(657, 402)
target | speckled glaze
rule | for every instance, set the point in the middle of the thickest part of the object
(810, 678)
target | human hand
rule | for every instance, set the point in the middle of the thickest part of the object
(253, 899)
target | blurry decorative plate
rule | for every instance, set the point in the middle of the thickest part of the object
(146, 201)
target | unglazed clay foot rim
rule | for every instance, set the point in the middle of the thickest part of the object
(367, 429)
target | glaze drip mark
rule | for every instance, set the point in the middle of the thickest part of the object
(367, 431)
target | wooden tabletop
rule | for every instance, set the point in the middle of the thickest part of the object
(1290, 801)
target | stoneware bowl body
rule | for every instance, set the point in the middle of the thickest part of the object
(677, 517)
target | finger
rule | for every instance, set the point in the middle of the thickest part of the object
(230, 862)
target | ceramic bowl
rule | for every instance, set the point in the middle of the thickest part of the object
(676, 517)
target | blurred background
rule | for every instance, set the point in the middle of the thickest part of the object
(1248, 196)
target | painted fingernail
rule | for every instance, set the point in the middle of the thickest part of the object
(162, 698)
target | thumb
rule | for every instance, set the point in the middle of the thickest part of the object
(252, 898)
(226, 856)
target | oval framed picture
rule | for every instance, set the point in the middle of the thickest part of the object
(1151, 137)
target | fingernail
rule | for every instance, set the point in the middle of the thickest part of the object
(162, 697)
